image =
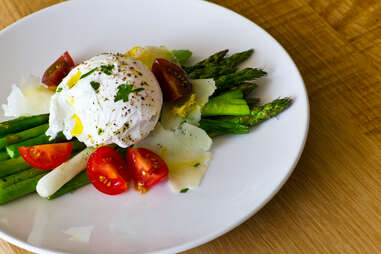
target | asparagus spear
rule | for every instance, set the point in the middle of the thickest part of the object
(237, 58)
(246, 88)
(212, 71)
(4, 155)
(213, 59)
(77, 182)
(182, 55)
(23, 135)
(218, 127)
(19, 189)
(12, 166)
(42, 139)
(22, 123)
(21, 176)
(261, 113)
(230, 80)
(225, 66)
(233, 107)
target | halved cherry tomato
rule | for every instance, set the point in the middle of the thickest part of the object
(146, 167)
(57, 71)
(107, 171)
(173, 80)
(46, 157)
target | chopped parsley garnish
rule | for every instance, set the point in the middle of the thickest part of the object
(106, 99)
(184, 190)
(95, 85)
(88, 73)
(100, 131)
(107, 69)
(59, 89)
(124, 91)
(196, 165)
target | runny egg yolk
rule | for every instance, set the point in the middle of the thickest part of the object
(74, 79)
(78, 126)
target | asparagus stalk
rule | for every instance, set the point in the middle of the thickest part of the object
(22, 123)
(261, 113)
(182, 55)
(42, 139)
(21, 176)
(212, 71)
(230, 80)
(12, 166)
(237, 58)
(218, 127)
(213, 59)
(233, 107)
(77, 182)
(23, 135)
(4, 155)
(246, 88)
(228, 103)
(19, 189)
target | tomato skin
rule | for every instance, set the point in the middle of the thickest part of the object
(46, 157)
(173, 80)
(146, 168)
(57, 71)
(107, 171)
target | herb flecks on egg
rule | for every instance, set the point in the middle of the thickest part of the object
(124, 92)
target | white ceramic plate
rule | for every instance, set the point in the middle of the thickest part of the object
(245, 173)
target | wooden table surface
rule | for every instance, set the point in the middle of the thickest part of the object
(332, 202)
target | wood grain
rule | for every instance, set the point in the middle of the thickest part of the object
(332, 202)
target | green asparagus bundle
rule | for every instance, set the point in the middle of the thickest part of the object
(22, 123)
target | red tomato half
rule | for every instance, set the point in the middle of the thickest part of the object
(146, 167)
(57, 71)
(46, 157)
(173, 80)
(107, 171)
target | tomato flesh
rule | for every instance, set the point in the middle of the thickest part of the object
(57, 71)
(146, 168)
(46, 157)
(173, 80)
(107, 171)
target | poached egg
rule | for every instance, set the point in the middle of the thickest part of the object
(110, 98)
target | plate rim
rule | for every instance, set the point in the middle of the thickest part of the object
(211, 236)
